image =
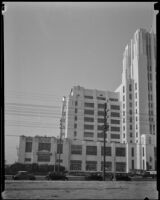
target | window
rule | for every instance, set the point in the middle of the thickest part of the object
(120, 151)
(123, 120)
(115, 128)
(123, 128)
(143, 150)
(76, 103)
(115, 107)
(75, 133)
(136, 95)
(135, 86)
(59, 148)
(130, 104)
(88, 97)
(28, 147)
(88, 119)
(27, 159)
(91, 105)
(130, 112)
(136, 134)
(100, 113)
(100, 128)
(107, 151)
(75, 125)
(75, 110)
(76, 149)
(123, 98)
(44, 158)
(132, 151)
(44, 146)
(143, 164)
(115, 136)
(108, 166)
(123, 105)
(91, 150)
(136, 118)
(130, 119)
(101, 106)
(75, 165)
(123, 135)
(123, 113)
(132, 164)
(112, 99)
(115, 114)
(101, 135)
(75, 118)
(91, 166)
(101, 98)
(130, 87)
(100, 120)
(123, 89)
(130, 96)
(89, 112)
(130, 127)
(136, 126)
(120, 166)
(130, 134)
(88, 134)
(88, 126)
(114, 121)
(136, 103)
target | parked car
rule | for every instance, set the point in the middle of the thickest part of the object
(94, 176)
(123, 177)
(56, 176)
(23, 175)
(149, 174)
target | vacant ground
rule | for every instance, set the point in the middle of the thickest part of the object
(80, 190)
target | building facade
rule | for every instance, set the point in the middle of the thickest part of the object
(131, 120)
(76, 155)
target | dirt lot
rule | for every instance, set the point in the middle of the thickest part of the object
(80, 190)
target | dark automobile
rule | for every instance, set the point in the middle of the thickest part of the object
(23, 175)
(149, 174)
(56, 176)
(94, 176)
(122, 177)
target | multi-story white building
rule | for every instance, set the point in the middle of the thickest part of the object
(84, 115)
(131, 118)
(138, 93)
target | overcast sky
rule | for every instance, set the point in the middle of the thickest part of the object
(51, 47)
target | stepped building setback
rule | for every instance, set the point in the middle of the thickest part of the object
(131, 119)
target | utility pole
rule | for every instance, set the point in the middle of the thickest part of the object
(60, 145)
(104, 141)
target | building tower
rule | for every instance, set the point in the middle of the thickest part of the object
(138, 96)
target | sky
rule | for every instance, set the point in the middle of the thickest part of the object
(51, 47)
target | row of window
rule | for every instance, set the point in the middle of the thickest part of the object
(99, 135)
(92, 150)
(92, 165)
(42, 146)
(91, 105)
(91, 127)
(130, 87)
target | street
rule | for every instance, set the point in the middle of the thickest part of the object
(80, 190)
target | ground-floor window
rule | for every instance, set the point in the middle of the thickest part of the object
(75, 165)
(43, 158)
(108, 166)
(91, 165)
(120, 166)
(132, 164)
